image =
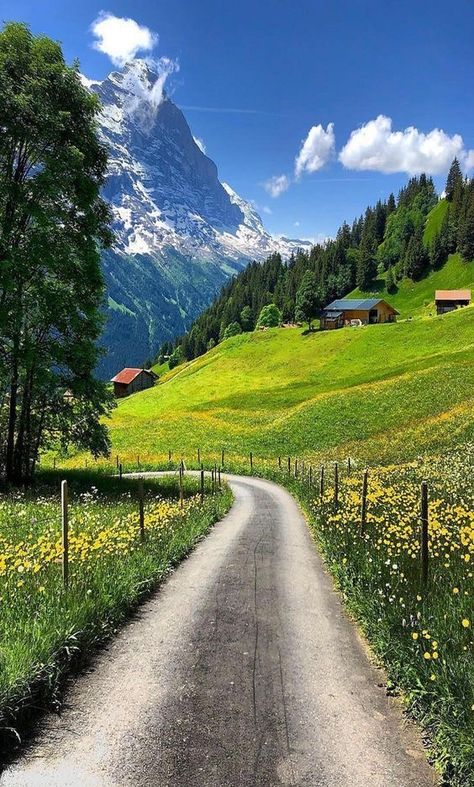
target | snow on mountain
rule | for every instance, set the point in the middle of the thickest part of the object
(176, 226)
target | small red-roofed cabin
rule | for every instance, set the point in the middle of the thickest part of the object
(130, 381)
(448, 300)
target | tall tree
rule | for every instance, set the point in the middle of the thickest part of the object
(416, 257)
(52, 225)
(308, 300)
(466, 225)
(366, 265)
(454, 178)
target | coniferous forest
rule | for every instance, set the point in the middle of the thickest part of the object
(386, 239)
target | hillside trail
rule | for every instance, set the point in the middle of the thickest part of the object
(242, 669)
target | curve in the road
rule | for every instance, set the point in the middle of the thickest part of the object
(242, 670)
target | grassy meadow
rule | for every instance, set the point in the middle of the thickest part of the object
(43, 626)
(378, 393)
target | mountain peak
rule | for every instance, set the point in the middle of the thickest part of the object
(171, 213)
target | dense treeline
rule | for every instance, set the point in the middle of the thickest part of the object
(387, 239)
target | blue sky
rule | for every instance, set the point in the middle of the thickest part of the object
(371, 69)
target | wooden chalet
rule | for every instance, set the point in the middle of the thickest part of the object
(356, 311)
(130, 381)
(448, 300)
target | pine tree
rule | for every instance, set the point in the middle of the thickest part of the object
(466, 225)
(454, 178)
(366, 266)
(391, 204)
(416, 257)
(437, 252)
(447, 234)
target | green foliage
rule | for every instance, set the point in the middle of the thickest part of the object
(175, 358)
(366, 264)
(308, 299)
(466, 224)
(246, 319)
(269, 317)
(454, 180)
(53, 223)
(232, 330)
(416, 257)
(390, 283)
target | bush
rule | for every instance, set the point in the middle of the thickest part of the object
(232, 330)
(270, 317)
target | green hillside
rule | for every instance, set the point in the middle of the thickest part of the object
(379, 392)
(416, 299)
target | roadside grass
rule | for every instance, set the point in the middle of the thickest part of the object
(422, 634)
(43, 627)
(357, 391)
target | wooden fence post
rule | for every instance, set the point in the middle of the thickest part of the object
(363, 506)
(279, 462)
(141, 509)
(289, 465)
(120, 470)
(202, 483)
(336, 485)
(251, 462)
(321, 482)
(181, 474)
(219, 477)
(169, 455)
(65, 533)
(222, 458)
(348, 465)
(296, 468)
(54, 463)
(424, 533)
(212, 480)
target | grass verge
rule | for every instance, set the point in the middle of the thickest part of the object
(422, 634)
(45, 629)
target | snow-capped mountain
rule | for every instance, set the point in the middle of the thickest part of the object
(179, 231)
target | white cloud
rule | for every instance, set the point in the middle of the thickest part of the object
(316, 150)
(276, 185)
(121, 38)
(469, 159)
(200, 144)
(267, 210)
(374, 146)
(296, 224)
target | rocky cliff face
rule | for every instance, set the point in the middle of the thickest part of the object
(179, 231)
